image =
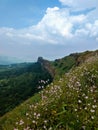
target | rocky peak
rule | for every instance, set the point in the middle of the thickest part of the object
(47, 65)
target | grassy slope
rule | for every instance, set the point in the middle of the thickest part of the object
(67, 63)
(69, 103)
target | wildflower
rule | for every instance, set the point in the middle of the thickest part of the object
(39, 87)
(92, 117)
(77, 115)
(83, 127)
(86, 97)
(34, 121)
(21, 122)
(83, 94)
(34, 113)
(75, 109)
(79, 101)
(78, 83)
(91, 90)
(16, 123)
(45, 121)
(85, 108)
(42, 86)
(38, 114)
(92, 110)
(26, 128)
(27, 114)
(94, 100)
(94, 106)
(44, 127)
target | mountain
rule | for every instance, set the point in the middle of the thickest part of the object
(65, 64)
(68, 103)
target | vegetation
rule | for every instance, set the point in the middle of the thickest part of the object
(64, 65)
(19, 82)
(69, 103)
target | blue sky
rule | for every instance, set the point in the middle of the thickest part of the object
(23, 13)
(48, 28)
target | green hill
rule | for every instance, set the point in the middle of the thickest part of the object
(68, 103)
(64, 65)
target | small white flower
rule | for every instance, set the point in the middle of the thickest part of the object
(79, 101)
(88, 104)
(45, 121)
(34, 121)
(21, 122)
(27, 114)
(77, 115)
(86, 97)
(93, 106)
(16, 123)
(75, 109)
(44, 127)
(83, 127)
(92, 110)
(92, 117)
(38, 114)
(26, 128)
(85, 108)
(83, 94)
(34, 113)
(91, 90)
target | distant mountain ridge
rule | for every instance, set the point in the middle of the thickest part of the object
(5, 60)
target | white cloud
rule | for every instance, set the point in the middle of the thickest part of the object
(57, 27)
(80, 3)
(67, 2)
(93, 29)
(55, 22)
(59, 22)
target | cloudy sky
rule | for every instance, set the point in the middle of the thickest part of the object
(48, 28)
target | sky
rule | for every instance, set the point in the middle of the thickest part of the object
(48, 28)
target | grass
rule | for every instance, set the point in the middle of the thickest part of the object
(64, 65)
(70, 103)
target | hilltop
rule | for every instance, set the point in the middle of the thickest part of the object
(65, 64)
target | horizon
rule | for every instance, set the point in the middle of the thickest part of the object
(50, 29)
(15, 60)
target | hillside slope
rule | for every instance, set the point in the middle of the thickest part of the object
(69, 103)
(19, 82)
(17, 78)
(63, 65)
